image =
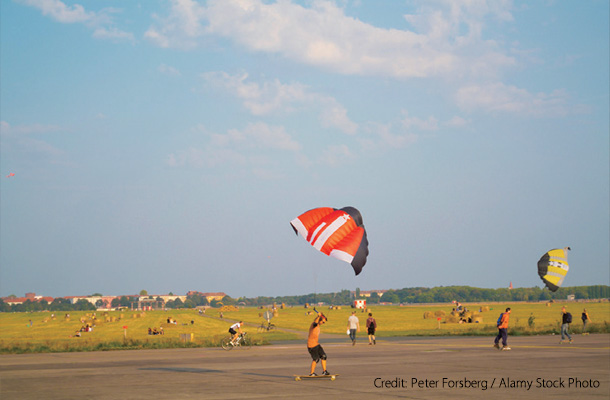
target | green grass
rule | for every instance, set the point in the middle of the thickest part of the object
(56, 335)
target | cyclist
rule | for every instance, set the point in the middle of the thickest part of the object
(313, 346)
(234, 332)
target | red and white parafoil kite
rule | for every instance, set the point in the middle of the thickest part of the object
(336, 233)
(10, 175)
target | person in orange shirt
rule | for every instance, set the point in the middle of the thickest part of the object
(503, 331)
(313, 346)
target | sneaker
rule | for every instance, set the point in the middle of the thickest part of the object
(497, 346)
(325, 373)
(313, 374)
(374, 341)
(505, 348)
(353, 342)
(370, 343)
(570, 340)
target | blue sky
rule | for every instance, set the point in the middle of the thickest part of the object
(166, 145)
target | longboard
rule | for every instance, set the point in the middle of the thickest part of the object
(332, 377)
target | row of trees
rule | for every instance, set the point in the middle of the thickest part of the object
(473, 294)
(401, 296)
(440, 295)
(57, 304)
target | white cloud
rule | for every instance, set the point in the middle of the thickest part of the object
(181, 28)
(60, 12)
(112, 34)
(7, 129)
(274, 96)
(457, 122)
(336, 154)
(499, 97)
(259, 135)
(168, 70)
(160, 39)
(199, 158)
(19, 139)
(100, 22)
(261, 99)
(246, 148)
(384, 136)
(430, 124)
(335, 115)
(446, 37)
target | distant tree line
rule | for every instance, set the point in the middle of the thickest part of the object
(472, 294)
(58, 304)
(441, 294)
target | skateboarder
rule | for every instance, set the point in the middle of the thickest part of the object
(313, 346)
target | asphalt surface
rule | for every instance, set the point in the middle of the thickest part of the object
(410, 368)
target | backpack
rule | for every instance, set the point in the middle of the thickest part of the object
(568, 318)
(499, 320)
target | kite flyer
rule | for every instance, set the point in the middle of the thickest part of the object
(313, 346)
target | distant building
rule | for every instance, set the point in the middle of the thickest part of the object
(162, 297)
(28, 296)
(368, 293)
(209, 296)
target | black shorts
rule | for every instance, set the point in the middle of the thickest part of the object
(232, 331)
(317, 353)
(371, 330)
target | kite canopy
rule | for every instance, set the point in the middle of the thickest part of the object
(553, 267)
(336, 233)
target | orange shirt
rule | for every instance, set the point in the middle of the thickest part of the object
(314, 333)
(504, 321)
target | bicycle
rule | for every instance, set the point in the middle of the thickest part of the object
(241, 341)
(269, 326)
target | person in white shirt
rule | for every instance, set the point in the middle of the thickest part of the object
(353, 325)
(235, 330)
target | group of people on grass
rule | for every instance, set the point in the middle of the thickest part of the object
(84, 328)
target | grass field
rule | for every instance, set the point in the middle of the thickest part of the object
(47, 334)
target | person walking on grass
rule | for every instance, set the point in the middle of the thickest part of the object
(502, 331)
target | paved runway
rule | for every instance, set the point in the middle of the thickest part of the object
(411, 368)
